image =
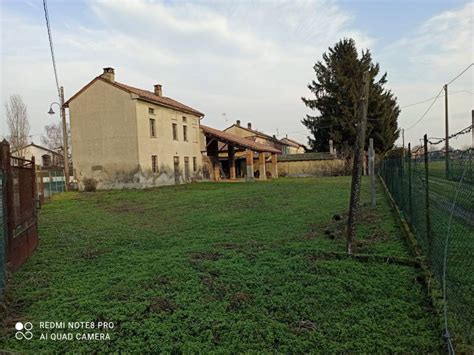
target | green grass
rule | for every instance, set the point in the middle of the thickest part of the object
(226, 267)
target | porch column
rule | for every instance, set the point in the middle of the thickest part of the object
(217, 170)
(274, 166)
(231, 151)
(261, 162)
(213, 154)
(249, 164)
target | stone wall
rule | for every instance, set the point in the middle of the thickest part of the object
(310, 164)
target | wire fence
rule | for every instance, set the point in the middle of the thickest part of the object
(437, 202)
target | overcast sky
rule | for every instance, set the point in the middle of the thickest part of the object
(247, 60)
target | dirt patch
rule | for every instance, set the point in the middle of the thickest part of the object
(92, 253)
(373, 238)
(229, 246)
(160, 304)
(336, 228)
(239, 300)
(250, 244)
(204, 255)
(163, 280)
(127, 208)
(304, 326)
(217, 288)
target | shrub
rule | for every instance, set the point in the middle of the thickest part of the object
(90, 185)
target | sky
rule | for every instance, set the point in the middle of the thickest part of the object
(240, 60)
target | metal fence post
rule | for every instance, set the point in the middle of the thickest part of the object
(372, 171)
(427, 199)
(50, 185)
(410, 204)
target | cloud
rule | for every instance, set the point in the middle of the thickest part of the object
(251, 60)
(439, 49)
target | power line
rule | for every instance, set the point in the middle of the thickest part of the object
(454, 135)
(465, 70)
(46, 16)
(436, 97)
(427, 110)
(431, 98)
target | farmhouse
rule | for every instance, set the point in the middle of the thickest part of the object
(123, 136)
(257, 136)
(44, 157)
(231, 156)
(292, 146)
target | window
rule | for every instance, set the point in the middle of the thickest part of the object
(152, 127)
(154, 163)
(185, 119)
(151, 111)
(46, 160)
(175, 131)
(186, 168)
(194, 164)
(185, 133)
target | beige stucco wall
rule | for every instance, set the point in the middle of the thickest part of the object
(238, 131)
(104, 136)
(311, 168)
(164, 146)
(294, 150)
(111, 141)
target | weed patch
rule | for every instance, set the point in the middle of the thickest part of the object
(176, 272)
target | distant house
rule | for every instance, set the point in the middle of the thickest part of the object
(257, 136)
(292, 146)
(44, 157)
(123, 136)
(229, 156)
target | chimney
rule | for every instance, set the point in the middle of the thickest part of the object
(237, 123)
(249, 125)
(158, 91)
(109, 74)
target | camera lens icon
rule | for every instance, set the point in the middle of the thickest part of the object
(23, 330)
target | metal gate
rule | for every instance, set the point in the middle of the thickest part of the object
(19, 184)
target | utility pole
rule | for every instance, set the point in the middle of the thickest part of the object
(446, 125)
(358, 158)
(472, 129)
(65, 143)
(427, 197)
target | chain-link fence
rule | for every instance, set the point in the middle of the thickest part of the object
(437, 202)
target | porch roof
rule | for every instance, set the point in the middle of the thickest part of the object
(237, 141)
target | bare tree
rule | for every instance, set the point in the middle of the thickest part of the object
(18, 124)
(53, 136)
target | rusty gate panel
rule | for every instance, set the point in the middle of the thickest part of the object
(22, 228)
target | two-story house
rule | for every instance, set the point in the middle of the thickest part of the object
(124, 136)
(45, 158)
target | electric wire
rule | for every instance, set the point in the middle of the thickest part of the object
(50, 37)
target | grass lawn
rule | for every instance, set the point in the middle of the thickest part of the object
(221, 267)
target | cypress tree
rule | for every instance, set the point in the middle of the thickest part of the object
(336, 91)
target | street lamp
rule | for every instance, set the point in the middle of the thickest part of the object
(51, 111)
(62, 110)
